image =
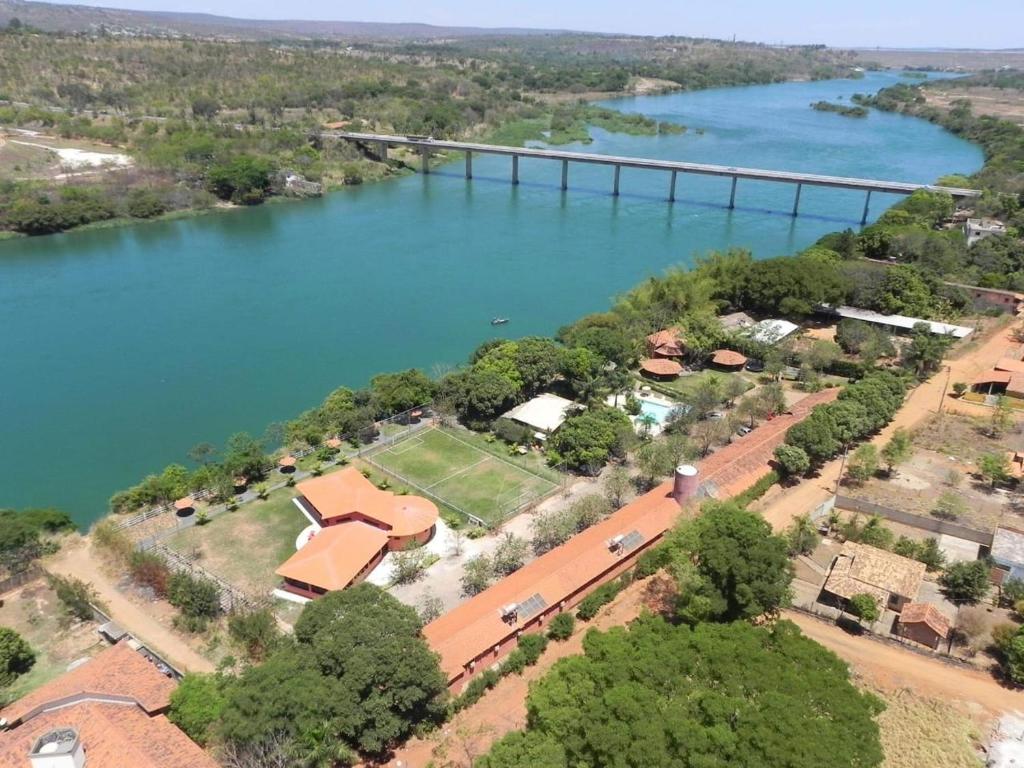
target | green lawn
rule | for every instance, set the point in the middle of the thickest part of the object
(684, 387)
(457, 468)
(245, 547)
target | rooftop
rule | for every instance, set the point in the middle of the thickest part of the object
(927, 614)
(728, 357)
(736, 321)
(1008, 546)
(861, 569)
(544, 413)
(900, 321)
(115, 703)
(772, 331)
(347, 492)
(661, 366)
(335, 555)
(667, 342)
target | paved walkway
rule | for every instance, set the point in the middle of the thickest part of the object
(79, 560)
(780, 506)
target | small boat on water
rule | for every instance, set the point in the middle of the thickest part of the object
(499, 321)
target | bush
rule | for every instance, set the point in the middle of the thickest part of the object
(196, 597)
(532, 647)
(16, 656)
(145, 204)
(561, 627)
(75, 595)
(512, 432)
(255, 631)
(515, 663)
(196, 705)
(148, 569)
(244, 180)
(652, 561)
(966, 582)
(600, 597)
(106, 536)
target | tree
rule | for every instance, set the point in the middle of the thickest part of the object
(408, 565)
(397, 392)
(1013, 658)
(255, 631)
(78, 597)
(430, 607)
(950, 506)
(965, 582)
(477, 574)
(197, 597)
(243, 180)
(617, 484)
(586, 440)
(994, 468)
(205, 108)
(742, 695)
(863, 464)
(735, 386)
(864, 607)
(822, 354)
(1001, 418)
(369, 645)
(16, 656)
(654, 461)
(561, 626)
(925, 351)
(743, 569)
(802, 536)
(897, 450)
(792, 460)
(706, 433)
(197, 704)
(509, 555)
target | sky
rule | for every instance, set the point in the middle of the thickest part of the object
(864, 23)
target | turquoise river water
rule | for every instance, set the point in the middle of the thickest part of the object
(122, 348)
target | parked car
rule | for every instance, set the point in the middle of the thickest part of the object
(716, 415)
(744, 430)
(755, 366)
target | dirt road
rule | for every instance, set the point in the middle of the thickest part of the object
(782, 505)
(77, 559)
(502, 709)
(892, 668)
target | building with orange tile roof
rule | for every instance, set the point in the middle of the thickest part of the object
(728, 358)
(666, 343)
(661, 367)
(109, 712)
(355, 525)
(923, 623)
(481, 631)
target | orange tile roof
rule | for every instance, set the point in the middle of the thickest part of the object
(184, 503)
(1015, 386)
(927, 614)
(347, 492)
(287, 461)
(993, 377)
(728, 357)
(113, 736)
(333, 557)
(115, 702)
(1011, 365)
(119, 671)
(471, 628)
(666, 342)
(661, 366)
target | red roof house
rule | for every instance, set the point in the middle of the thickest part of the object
(109, 712)
(666, 343)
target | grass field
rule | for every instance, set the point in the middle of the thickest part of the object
(466, 474)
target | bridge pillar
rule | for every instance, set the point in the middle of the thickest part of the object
(383, 152)
(732, 194)
(615, 184)
(867, 206)
(672, 188)
(565, 174)
(796, 201)
(469, 165)
(515, 169)
(425, 157)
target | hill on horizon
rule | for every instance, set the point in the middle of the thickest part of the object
(52, 17)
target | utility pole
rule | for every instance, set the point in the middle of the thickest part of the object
(842, 466)
(942, 400)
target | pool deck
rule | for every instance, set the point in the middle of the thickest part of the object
(649, 396)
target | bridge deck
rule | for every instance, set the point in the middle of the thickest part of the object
(756, 174)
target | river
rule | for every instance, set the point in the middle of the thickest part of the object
(122, 348)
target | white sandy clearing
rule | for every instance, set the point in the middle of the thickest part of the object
(82, 158)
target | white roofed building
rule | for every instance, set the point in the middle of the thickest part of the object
(545, 413)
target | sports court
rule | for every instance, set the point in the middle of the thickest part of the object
(466, 477)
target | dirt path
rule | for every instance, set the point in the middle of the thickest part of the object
(502, 709)
(782, 505)
(79, 560)
(893, 669)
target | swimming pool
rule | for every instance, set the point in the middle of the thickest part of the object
(659, 411)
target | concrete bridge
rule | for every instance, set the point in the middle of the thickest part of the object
(425, 145)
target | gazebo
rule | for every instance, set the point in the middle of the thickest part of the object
(184, 506)
(661, 368)
(287, 463)
(665, 343)
(728, 358)
(334, 443)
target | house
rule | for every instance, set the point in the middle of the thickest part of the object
(923, 623)
(1000, 382)
(891, 579)
(354, 525)
(661, 368)
(729, 359)
(544, 414)
(665, 343)
(107, 713)
(897, 324)
(1008, 553)
(772, 331)
(979, 229)
(736, 321)
(992, 298)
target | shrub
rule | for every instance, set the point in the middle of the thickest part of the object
(150, 570)
(512, 432)
(106, 536)
(196, 705)
(652, 561)
(16, 656)
(195, 596)
(255, 631)
(515, 663)
(145, 204)
(75, 595)
(561, 627)
(532, 647)
(600, 597)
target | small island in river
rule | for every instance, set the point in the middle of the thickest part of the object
(840, 109)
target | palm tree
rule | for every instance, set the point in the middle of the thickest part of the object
(647, 421)
(320, 748)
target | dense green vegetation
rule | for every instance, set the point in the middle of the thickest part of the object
(357, 677)
(27, 534)
(211, 119)
(840, 109)
(16, 656)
